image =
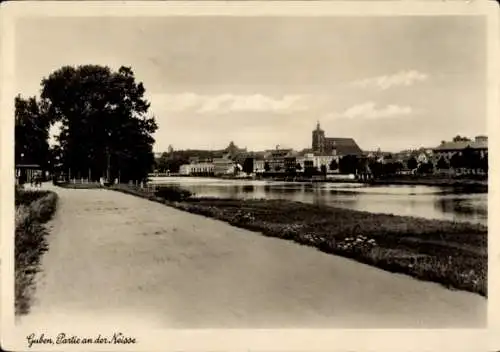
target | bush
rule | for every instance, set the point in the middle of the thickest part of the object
(23, 197)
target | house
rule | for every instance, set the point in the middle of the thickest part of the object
(25, 172)
(185, 169)
(276, 158)
(259, 165)
(223, 166)
(448, 149)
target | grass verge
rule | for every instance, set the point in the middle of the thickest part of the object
(450, 253)
(30, 241)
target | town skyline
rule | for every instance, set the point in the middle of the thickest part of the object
(259, 93)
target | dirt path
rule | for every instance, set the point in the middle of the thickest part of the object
(122, 258)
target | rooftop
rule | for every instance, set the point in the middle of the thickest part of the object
(345, 146)
(481, 144)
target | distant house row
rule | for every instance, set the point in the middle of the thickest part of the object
(326, 155)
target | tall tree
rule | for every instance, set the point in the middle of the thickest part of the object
(31, 132)
(105, 127)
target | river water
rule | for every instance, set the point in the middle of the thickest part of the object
(420, 201)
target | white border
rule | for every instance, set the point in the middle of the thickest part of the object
(269, 340)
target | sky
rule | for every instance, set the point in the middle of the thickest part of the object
(388, 82)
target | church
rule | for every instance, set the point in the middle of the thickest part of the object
(333, 146)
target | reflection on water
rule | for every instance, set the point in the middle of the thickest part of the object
(421, 201)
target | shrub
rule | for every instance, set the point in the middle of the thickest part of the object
(24, 197)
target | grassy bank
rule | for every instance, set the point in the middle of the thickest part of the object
(33, 209)
(451, 253)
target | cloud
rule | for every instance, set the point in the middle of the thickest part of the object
(402, 78)
(227, 103)
(369, 110)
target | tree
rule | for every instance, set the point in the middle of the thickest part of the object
(298, 167)
(162, 162)
(470, 159)
(333, 165)
(376, 168)
(484, 163)
(425, 168)
(412, 163)
(459, 138)
(105, 127)
(442, 164)
(309, 168)
(267, 167)
(323, 169)
(348, 164)
(248, 166)
(31, 132)
(456, 161)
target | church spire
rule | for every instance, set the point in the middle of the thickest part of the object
(317, 126)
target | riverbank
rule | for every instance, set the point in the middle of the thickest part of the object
(451, 253)
(476, 185)
(469, 184)
(33, 210)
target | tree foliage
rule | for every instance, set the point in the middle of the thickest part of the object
(104, 121)
(459, 138)
(334, 165)
(412, 163)
(443, 164)
(248, 166)
(348, 164)
(425, 168)
(267, 167)
(323, 169)
(31, 132)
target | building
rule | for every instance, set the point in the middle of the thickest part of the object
(333, 146)
(223, 166)
(276, 158)
(185, 169)
(197, 169)
(448, 149)
(25, 172)
(316, 161)
(259, 165)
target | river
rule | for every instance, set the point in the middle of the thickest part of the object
(420, 201)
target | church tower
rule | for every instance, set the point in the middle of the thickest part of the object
(318, 139)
